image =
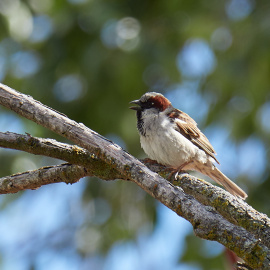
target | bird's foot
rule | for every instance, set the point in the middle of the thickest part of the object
(176, 172)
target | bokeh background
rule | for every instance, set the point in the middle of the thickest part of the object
(88, 59)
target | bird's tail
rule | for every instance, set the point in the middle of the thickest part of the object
(223, 180)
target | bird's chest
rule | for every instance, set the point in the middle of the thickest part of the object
(164, 144)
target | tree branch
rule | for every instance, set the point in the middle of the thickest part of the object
(207, 222)
(51, 148)
(47, 175)
(234, 210)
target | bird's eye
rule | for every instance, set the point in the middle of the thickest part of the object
(148, 104)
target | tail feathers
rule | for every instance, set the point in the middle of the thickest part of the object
(223, 180)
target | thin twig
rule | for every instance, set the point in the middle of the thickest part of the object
(66, 173)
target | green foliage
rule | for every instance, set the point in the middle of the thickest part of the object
(90, 63)
(196, 250)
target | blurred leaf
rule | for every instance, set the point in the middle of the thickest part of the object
(84, 66)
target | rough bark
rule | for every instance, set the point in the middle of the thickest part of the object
(66, 173)
(235, 211)
(210, 210)
(51, 148)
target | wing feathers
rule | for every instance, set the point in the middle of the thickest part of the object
(188, 128)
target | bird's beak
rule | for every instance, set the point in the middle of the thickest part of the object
(137, 102)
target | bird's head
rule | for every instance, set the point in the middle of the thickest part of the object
(151, 100)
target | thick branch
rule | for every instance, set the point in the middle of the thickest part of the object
(72, 154)
(211, 230)
(206, 221)
(235, 211)
(72, 173)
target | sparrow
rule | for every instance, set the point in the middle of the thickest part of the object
(172, 138)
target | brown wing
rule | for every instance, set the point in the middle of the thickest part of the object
(188, 128)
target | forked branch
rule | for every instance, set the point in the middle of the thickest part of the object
(205, 212)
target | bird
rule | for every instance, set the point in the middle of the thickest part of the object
(171, 138)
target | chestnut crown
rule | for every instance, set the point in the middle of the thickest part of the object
(151, 100)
